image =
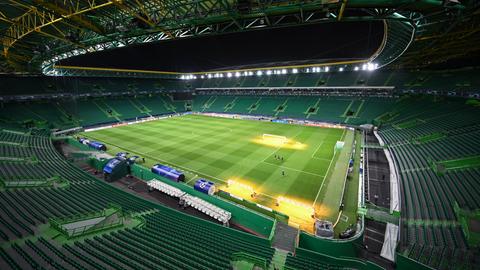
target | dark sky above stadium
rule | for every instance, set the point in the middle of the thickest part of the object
(270, 47)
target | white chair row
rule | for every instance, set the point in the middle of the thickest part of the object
(208, 208)
(165, 188)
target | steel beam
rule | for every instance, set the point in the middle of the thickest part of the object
(66, 11)
(169, 19)
(342, 9)
(34, 20)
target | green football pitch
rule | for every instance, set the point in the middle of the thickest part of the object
(219, 149)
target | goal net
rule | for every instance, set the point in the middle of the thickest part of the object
(339, 146)
(274, 138)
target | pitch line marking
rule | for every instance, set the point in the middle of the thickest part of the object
(338, 218)
(288, 168)
(190, 170)
(167, 162)
(324, 159)
(313, 155)
(187, 169)
(278, 148)
(193, 178)
(328, 169)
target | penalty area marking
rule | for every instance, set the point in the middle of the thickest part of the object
(288, 168)
(328, 170)
(190, 170)
(319, 158)
(324, 159)
(313, 155)
(278, 148)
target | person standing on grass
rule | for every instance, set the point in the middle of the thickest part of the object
(283, 173)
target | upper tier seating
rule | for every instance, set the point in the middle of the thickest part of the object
(86, 112)
(429, 231)
(170, 239)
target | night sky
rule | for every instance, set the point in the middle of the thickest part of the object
(299, 44)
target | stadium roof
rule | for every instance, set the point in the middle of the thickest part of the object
(37, 33)
(260, 48)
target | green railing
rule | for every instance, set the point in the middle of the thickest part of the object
(405, 263)
(33, 182)
(273, 214)
(429, 137)
(77, 144)
(464, 217)
(256, 261)
(58, 223)
(241, 215)
(347, 262)
(332, 247)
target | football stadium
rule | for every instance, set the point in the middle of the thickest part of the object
(240, 134)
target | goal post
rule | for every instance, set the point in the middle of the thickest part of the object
(275, 138)
(338, 146)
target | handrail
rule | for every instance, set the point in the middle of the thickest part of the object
(243, 256)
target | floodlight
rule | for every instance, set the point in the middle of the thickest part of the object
(364, 67)
(259, 73)
(284, 71)
(327, 69)
(356, 68)
(269, 72)
(294, 71)
(209, 75)
(239, 188)
(250, 73)
(291, 205)
(340, 69)
(229, 75)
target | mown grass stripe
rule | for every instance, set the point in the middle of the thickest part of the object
(220, 148)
